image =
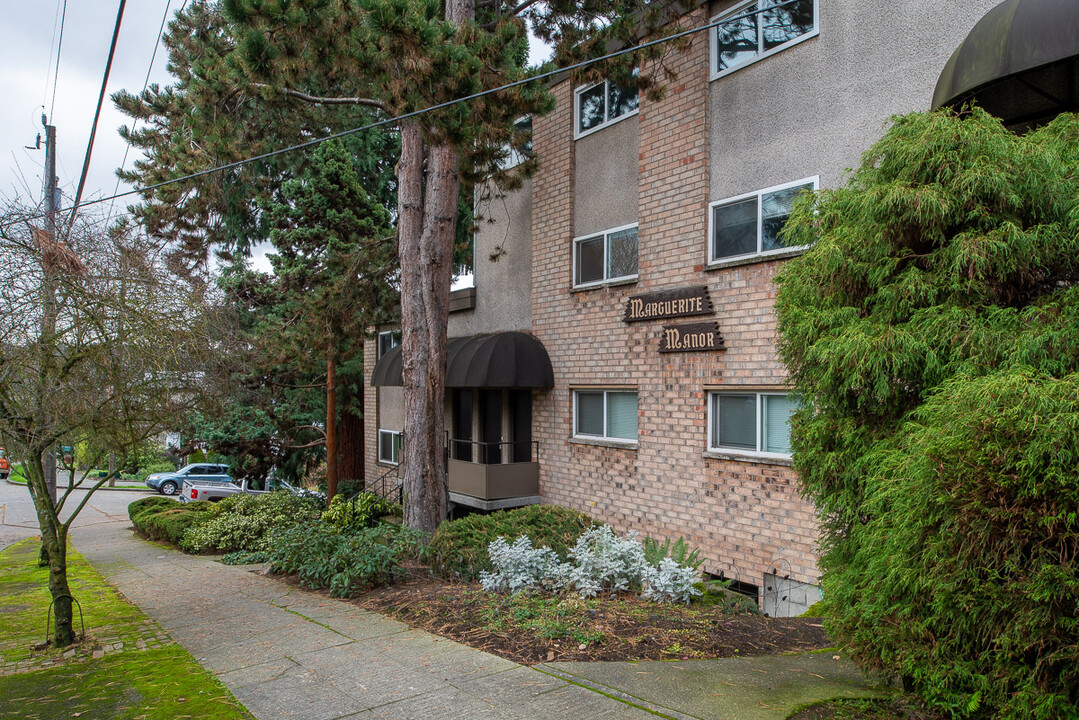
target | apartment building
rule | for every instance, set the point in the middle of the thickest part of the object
(617, 353)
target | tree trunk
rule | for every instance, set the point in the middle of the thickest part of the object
(54, 548)
(331, 423)
(428, 187)
(350, 450)
(427, 226)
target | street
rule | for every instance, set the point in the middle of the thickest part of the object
(18, 519)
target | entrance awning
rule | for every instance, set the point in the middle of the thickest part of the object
(1019, 62)
(498, 360)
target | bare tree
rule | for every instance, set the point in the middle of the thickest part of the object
(98, 341)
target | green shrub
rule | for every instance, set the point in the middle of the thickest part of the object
(244, 522)
(324, 557)
(679, 552)
(932, 332)
(161, 466)
(357, 513)
(150, 505)
(459, 547)
(161, 518)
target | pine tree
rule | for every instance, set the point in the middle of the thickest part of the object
(402, 56)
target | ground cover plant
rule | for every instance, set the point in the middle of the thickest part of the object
(124, 683)
(344, 562)
(599, 563)
(162, 518)
(459, 547)
(932, 333)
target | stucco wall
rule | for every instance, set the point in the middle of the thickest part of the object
(605, 177)
(391, 408)
(814, 108)
(503, 266)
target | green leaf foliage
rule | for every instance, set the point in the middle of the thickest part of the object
(357, 513)
(246, 522)
(932, 332)
(161, 518)
(322, 556)
(459, 547)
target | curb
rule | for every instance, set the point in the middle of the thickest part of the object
(9, 481)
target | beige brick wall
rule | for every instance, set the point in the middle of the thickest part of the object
(748, 517)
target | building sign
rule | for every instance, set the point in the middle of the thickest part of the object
(698, 337)
(681, 302)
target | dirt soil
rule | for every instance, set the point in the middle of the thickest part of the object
(531, 630)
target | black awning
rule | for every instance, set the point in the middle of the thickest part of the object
(1018, 62)
(499, 360)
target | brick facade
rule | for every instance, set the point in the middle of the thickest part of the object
(747, 517)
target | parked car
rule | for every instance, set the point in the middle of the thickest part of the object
(170, 483)
(5, 465)
(195, 488)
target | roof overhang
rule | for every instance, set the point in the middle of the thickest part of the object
(497, 360)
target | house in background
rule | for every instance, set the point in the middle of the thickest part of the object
(617, 353)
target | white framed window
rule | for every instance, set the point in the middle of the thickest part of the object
(751, 224)
(751, 423)
(606, 256)
(758, 29)
(597, 106)
(605, 414)
(388, 340)
(515, 155)
(389, 446)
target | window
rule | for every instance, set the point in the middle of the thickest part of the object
(759, 29)
(752, 224)
(389, 446)
(600, 105)
(610, 255)
(388, 340)
(608, 414)
(757, 423)
(517, 154)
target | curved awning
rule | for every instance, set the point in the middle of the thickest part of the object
(1019, 62)
(499, 360)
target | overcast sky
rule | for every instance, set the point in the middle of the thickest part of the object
(28, 36)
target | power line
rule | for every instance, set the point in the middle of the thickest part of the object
(97, 113)
(59, 47)
(416, 113)
(145, 84)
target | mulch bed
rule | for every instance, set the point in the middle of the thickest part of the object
(625, 628)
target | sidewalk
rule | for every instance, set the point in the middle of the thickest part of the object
(286, 653)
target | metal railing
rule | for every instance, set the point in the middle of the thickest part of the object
(492, 453)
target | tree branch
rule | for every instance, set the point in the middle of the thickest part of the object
(319, 100)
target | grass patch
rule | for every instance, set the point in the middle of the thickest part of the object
(160, 681)
(898, 707)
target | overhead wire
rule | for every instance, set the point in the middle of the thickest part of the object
(97, 113)
(59, 47)
(422, 111)
(145, 84)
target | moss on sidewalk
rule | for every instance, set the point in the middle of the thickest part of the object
(127, 667)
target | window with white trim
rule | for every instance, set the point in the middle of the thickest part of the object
(606, 256)
(389, 446)
(517, 154)
(605, 414)
(597, 106)
(752, 224)
(388, 340)
(758, 29)
(750, 423)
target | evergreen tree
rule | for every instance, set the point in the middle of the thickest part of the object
(401, 56)
(932, 333)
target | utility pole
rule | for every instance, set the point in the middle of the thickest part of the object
(49, 285)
